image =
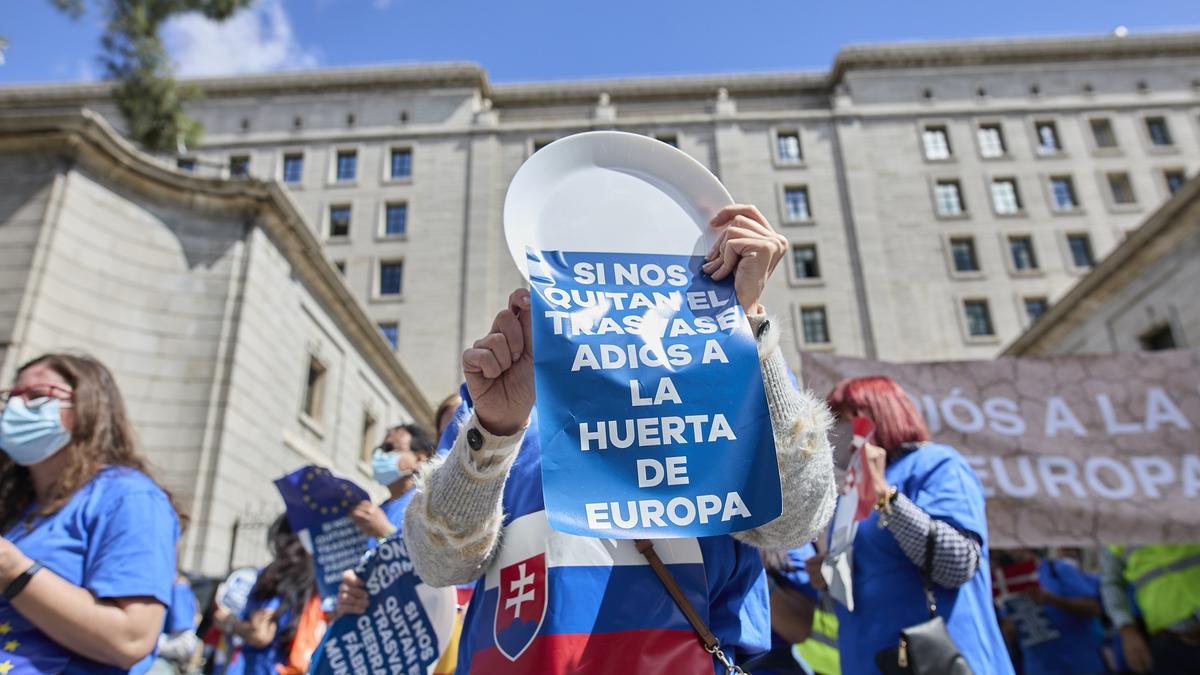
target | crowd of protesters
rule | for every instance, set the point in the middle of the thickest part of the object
(90, 580)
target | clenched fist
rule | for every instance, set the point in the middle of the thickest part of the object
(499, 369)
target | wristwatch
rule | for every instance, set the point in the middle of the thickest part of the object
(17, 585)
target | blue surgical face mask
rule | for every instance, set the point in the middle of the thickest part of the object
(383, 464)
(30, 435)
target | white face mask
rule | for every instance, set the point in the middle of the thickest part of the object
(31, 434)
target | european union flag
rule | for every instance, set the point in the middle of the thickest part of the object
(318, 504)
(24, 650)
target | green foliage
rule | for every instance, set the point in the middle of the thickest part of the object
(144, 88)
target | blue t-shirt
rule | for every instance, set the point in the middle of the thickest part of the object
(116, 538)
(1072, 643)
(888, 593)
(262, 661)
(181, 613)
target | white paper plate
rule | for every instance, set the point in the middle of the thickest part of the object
(614, 192)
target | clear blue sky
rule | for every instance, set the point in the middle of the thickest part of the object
(530, 40)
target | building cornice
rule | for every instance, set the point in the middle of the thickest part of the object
(684, 87)
(906, 55)
(86, 137)
(1138, 252)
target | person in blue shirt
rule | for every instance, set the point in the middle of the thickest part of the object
(394, 464)
(919, 488)
(178, 641)
(1057, 621)
(268, 623)
(87, 555)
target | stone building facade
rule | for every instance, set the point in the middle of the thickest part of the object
(1142, 297)
(238, 349)
(938, 196)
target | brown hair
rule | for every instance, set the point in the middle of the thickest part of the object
(450, 403)
(102, 437)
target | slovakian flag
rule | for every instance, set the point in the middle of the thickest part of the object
(1014, 578)
(859, 476)
(318, 508)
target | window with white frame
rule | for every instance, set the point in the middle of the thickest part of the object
(1121, 188)
(401, 163)
(1080, 245)
(948, 198)
(991, 141)
(346, 168)
(1062, 192)
(1102, 133)
(796, 206)
(1035, 307)
(293, 168)
(816, 328)
(962, 252)
(1006, 199)
(391, 332)
(314, 389)
(391, 277)
(1174, 178)
(787, 146)
(339, 220)
(395, 219)
(936, 140)
(1159, 131)
(979, 318)
(1023, 257)
(804, 258)
(1048, 142)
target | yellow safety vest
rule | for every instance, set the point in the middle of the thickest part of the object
(1166, 581)
(820, 650)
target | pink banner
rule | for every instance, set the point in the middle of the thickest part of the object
(1071, 450)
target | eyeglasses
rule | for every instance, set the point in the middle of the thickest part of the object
(37, 395)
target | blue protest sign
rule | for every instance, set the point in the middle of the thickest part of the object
(650, 401)
(318, 504)
(394, 635)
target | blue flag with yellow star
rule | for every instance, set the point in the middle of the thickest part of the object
(24, 649)
(318, 507)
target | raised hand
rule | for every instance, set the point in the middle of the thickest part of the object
(499, 369)
(749, 248)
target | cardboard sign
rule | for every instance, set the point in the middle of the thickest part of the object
(396, 634)
(650, 401)
(318, 504)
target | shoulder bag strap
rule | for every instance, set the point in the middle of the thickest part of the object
(711, 644)
(927, 570)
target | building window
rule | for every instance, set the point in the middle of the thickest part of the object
(1121, 189)
(979, 318)
(1102, 132)
(1047, 138)
(1081, 250)
(1023, 257)
(962, 250)
(401, 163)
(340, 265)
(395, 221)
(1062, 189)
(1175, 180)
(369, 431)
(539, 144)
(937, 143)
(670, 139)
(391, 276)
(293, 168)
(1160, 133)
(816, 330)
(185, 164)
(795, 201)
(1035, 308)
(239, 166)
(314, 388)
(347, 165)
(339, 221)
(1158, 339)
(391, 333)
(1005, 197)
(787, 144)
(948, 196)
(991, 141)
(804, 257)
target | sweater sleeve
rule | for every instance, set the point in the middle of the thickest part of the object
(452, 526)
(956, 554)
(800, 421)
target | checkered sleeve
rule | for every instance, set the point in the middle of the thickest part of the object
(956, 554)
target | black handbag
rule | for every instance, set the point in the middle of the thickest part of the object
(924, 648)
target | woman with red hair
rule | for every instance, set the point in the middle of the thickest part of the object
(922, 491)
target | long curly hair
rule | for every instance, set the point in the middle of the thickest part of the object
(102, 437)
(290, 577)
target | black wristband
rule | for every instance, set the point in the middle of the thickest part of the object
(14, 587)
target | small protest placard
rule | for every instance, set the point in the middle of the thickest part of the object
(650, 401)
(318, 504)
(394, 635)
